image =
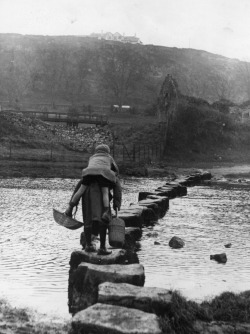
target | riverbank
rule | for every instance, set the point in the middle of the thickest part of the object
(72, 170)
(227, 313)
(23, 320)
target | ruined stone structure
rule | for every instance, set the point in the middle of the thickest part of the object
(167, 105)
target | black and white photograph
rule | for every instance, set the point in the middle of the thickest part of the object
(124, 166)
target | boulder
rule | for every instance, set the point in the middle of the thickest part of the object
(147, 299)
(84, 281)
(176, 242)
(221, 258)
(110, 319)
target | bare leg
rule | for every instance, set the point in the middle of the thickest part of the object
(105, 196)
(90, 247)
(74, 200)
(103, 250)
(78, 194)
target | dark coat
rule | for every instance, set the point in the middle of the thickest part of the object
(92, 204)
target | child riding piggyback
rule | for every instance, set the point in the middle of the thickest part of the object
(102, 169)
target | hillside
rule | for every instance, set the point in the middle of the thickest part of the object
(78, 70)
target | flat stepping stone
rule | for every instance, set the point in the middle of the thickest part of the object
(84, 281)
(143, 195)
(133, 232)
(169, 192)
(110, 319)
(180, 189)
(150, 204)
(131, 218)
(148, 214)
(147, 299)
(162, 201)
(118, 256)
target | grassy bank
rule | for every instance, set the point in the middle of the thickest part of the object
(180, 318)
(24, 321)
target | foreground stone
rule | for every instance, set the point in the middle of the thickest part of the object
(102, 318)
(176, 242)
(84, 281)
(147, 299)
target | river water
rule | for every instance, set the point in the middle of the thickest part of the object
(35, 251)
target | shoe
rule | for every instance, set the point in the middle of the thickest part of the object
(103, 251)
(106, 217)
(90, 248)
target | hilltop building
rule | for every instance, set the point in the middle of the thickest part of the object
(108, 36)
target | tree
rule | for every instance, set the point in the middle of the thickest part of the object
(244, 71)
(122, 68)
(16, 72)
(76, 70)
(50, 69)
(222, 86)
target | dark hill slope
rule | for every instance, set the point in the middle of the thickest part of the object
(43, 69)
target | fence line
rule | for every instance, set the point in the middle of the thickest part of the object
(133, 153)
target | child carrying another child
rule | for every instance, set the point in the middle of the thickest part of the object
(103, 170)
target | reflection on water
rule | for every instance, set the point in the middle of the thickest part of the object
(35, 250)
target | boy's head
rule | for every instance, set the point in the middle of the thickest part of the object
(102, 148)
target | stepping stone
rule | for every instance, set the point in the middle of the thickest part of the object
(132, 235)
(163, 203)
(147, 299)
(180, 189)
(182, 181)
(131, 218)
(151, 205)
(148, 214)
(118, 256)
(110, 319)
(143, 195)
(206, 175)
(84, 281)
(170, 192)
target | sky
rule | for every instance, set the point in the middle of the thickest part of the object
(217, 26)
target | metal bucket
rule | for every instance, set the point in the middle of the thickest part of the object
(117, 232)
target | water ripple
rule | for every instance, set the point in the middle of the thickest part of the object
(35, 251)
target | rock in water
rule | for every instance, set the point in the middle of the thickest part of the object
(221, 258)
(176, 242)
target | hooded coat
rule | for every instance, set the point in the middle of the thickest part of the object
(102, 163)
